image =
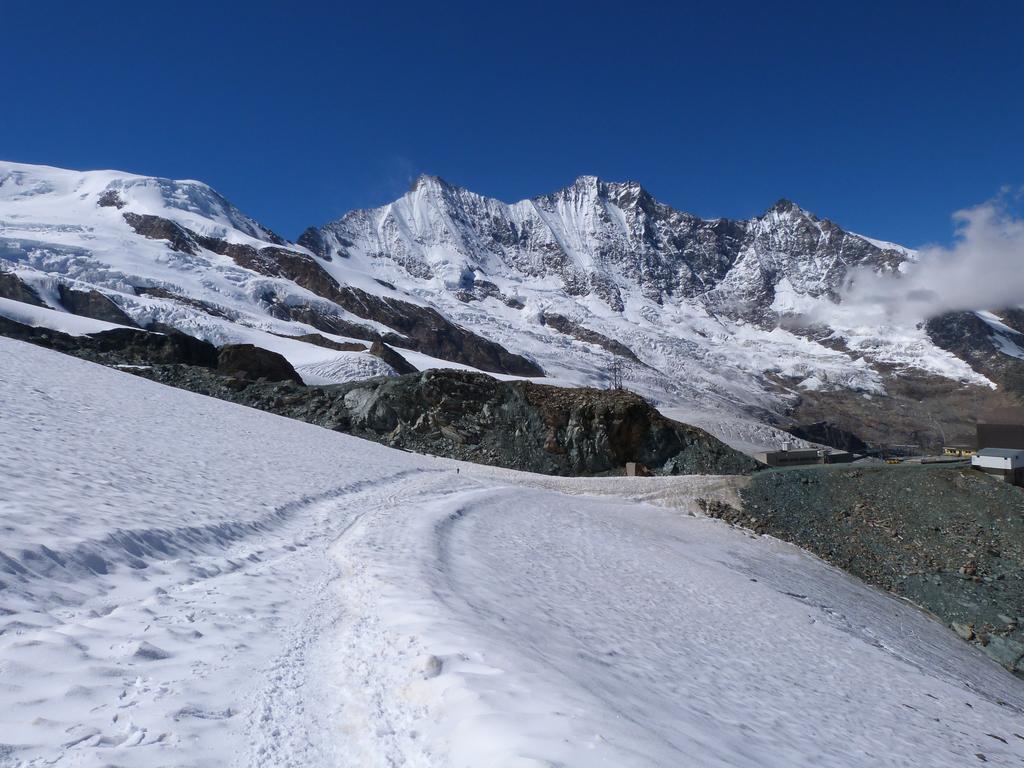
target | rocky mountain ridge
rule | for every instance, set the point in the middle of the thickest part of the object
(707, 317)
(605, 238)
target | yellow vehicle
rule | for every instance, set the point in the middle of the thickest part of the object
(960, 451)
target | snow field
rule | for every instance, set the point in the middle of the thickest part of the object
(187, 582)
(545, 630)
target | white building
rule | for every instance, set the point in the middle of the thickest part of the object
(1006, 463)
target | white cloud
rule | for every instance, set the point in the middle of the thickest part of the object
(982, 269)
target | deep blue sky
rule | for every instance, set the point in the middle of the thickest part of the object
(885, 120)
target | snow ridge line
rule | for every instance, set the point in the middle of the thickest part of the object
(136, 548)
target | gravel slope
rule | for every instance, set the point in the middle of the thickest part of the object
(948, 538)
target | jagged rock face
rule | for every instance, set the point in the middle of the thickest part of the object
(603, 238)
(469, 416)
(528, 426)
(970, 338)
(788, 245)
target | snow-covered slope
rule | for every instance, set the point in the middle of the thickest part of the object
(166, 252)
(707, 316)
(701, 305)
(189, 582)
(44, 317)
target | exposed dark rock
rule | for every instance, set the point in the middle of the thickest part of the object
(298, 267)
(325, 318)
(92, 304)
(13, 287)
(247, 361)
(1014, 318)
(392, 358)
(110, 199)
(421, 328)
(428, 331)
(320, 341)
(144, 347)
(948, 538)
(827, 433)
(474, 417)
(564, 325)
(971, 339)
(158, 228)
(119, 346)
(163, 293)
(916, 408)
(313, 241)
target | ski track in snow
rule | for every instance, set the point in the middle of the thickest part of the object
(187, 582)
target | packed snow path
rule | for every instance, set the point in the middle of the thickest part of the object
(188, 582)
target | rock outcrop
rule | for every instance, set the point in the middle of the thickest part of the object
(119, 346)
(13, 287)
(470, 416)
(247, 361)
(400, 365)
(92, 303)
(971, 339)
(528, 426)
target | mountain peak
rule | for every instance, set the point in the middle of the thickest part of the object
(428, 181)
(591, 185)
(786, 206)
(586, 183)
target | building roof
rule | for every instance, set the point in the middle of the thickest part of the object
(1001, 453)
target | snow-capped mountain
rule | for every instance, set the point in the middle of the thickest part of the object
(713, 315)
(708, 318)
(610, 240)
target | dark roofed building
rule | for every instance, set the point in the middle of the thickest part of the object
(1001, 436)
